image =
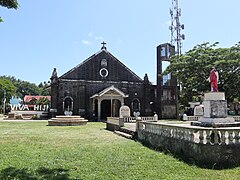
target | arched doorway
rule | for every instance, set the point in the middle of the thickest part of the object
(68, 104)
(135, 105)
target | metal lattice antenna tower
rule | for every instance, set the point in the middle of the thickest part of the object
(176, 27)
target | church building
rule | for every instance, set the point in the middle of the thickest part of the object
(97, 88)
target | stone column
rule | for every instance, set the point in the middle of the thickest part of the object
(99, 109)
(113, 108)
(122, 101)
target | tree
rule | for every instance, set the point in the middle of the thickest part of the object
(192, 70)
(44, 87)
(7, 87)
(26, 88)
(10, 4)
(43, 101)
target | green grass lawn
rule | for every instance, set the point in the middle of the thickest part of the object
(33, 150)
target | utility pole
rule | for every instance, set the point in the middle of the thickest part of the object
(176, 38)
(176, 27)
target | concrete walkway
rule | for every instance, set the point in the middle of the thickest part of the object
(132, 126)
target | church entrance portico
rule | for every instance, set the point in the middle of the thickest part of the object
(108, 102)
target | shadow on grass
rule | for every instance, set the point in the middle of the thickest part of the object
(192, 161)
(41, 173)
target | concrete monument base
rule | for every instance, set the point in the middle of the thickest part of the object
(214, 96)
(215, 124)
(216, 120)
(215, 112)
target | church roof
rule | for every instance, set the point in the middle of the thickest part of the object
(93, 69)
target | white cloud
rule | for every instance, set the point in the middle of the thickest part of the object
(86, 42)
(92, 38)
(167, 23)
(119, 41)
(98, 38)
(90, 34)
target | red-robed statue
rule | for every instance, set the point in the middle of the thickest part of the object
(214, 80)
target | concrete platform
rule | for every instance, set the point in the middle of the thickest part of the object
(215, 124)
(67, 121)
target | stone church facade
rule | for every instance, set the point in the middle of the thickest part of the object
(100, 85)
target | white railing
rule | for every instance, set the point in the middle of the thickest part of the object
(197, 135)
(191, 118)
(148, 119)
(129, 119)
(133, 119)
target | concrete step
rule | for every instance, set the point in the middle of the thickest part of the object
(129, 136)
(127, 130)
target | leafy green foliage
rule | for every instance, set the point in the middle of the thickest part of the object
(41, 101)
(192, 70)
(7, 86)
(10, 4)
(44, 88)
(26, 88)
(23, 87)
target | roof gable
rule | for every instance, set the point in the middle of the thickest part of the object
(102, 66)
(110, 91)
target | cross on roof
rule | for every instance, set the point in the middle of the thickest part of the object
(103, 47)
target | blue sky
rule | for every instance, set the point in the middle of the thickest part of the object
(44, 34)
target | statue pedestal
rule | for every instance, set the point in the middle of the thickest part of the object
(215, 112)
(214, 96)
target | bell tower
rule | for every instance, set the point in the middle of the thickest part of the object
(164, 52)
(166, 84)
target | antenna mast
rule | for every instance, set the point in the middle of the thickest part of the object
(176, 27)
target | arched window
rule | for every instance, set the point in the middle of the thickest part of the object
(68, 104)
(135, 105)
